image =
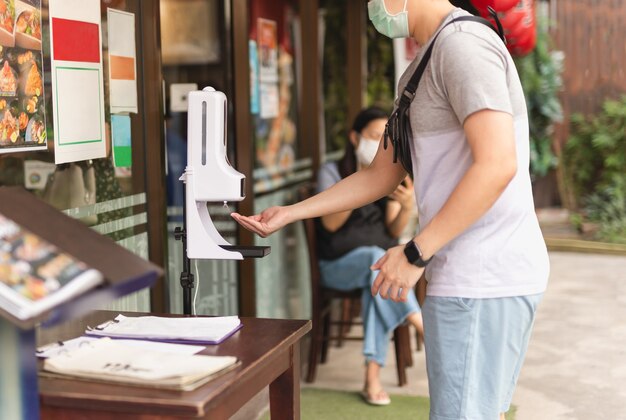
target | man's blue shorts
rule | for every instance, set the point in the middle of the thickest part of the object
(474, 352)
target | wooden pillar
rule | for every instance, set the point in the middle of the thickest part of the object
(310, 109)
(150, 87)
(357, 57)
(244, 147)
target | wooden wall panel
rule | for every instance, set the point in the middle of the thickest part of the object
(592, 35)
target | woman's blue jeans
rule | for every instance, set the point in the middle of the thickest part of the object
(380, 316)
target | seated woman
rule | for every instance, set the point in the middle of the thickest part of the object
(351, 241)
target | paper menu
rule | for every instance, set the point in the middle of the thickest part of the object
(35, 275)
(109, 360)
(77, 81)
(207, 330)
(63, 347)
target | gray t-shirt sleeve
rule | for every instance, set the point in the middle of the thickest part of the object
(327, 176)
(472, 71)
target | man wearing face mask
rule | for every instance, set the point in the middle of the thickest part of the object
(350, 242)
(479, 243)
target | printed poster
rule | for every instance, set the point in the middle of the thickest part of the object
(269, 100)
(122, 62)
(268, 67)
(267, 50)
(121, 138)
(77, 81)
(22, 110)
(254, 77)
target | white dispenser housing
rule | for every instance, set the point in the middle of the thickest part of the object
(209, 177)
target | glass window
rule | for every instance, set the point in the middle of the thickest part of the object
(110, 199)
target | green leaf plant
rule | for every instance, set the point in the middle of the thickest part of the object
(594, 164)
(540, 73)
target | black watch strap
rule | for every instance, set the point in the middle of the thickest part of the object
(414, 254)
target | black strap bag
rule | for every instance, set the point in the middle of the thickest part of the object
(398, 127)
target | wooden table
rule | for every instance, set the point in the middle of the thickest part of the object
(269, 351)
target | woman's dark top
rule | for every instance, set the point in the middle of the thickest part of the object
(365, 226)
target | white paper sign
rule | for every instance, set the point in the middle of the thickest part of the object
(268, 92)
(36, 174)
(122, 61)
(178, 96)
(77, 81)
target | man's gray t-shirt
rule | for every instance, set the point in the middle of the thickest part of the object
(503, 253)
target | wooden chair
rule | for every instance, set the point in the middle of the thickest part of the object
(322, 299)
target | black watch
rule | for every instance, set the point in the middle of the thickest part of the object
(414, 254)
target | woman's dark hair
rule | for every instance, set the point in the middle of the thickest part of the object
(347, 164)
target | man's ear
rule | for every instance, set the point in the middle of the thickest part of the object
(354, 138)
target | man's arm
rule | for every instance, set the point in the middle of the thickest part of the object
(491, 137)
(363, 187)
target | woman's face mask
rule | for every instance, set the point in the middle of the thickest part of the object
(392, 26)
(366, 151)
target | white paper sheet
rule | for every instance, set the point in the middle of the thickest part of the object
(77, 83)
(202, 329)
(122, 61)
(268, 93)
(56, 349)
(107, 359)
(36, 174)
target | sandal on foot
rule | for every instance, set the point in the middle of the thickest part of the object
(377, 398)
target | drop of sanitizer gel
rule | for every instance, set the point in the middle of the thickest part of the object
(226, 205)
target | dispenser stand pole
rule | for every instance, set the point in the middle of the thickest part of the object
(186, 276)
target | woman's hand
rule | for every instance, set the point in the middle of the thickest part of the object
(404, 194)
(396, 277)
(266, 223)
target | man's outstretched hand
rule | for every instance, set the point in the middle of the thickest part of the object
(266, 223)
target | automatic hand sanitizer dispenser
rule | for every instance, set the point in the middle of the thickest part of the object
(209, 177)
(206, 152)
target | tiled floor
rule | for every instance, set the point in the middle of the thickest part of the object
(576, 363)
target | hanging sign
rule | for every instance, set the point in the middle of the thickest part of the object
(77, 82)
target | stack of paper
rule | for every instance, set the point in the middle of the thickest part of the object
(61, 347)
(205, 330)
(109, 361)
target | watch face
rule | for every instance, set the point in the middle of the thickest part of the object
(411, 252)
(414, 255)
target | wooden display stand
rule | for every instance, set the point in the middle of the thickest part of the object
(124, 273)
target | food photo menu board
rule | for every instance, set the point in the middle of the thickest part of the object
(22, 110)
(35, 275)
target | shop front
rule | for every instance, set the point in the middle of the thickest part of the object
(94, 121)
(81, 111)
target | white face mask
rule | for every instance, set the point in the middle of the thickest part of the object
(392, 26)
(366, 151)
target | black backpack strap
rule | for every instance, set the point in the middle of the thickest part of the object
(409, 91)
(398, 127)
